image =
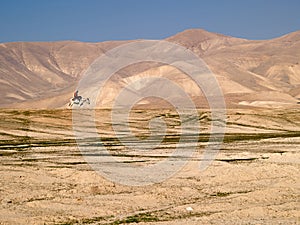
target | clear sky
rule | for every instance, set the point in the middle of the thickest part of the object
(101, 20)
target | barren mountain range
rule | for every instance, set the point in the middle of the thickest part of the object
(261, 73)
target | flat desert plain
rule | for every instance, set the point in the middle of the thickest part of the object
(254, 178)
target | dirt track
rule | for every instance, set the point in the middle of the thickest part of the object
(254, 179)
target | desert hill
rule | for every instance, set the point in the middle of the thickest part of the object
(250, 73)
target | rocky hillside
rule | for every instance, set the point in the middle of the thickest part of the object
(251, 73)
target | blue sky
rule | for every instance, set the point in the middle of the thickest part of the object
(102, 20)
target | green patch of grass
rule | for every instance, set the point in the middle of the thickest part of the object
(141, 217)
(146, 217)
(86, 221)
(221, 194)
(225, 194)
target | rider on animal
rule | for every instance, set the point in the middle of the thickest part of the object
(76, 96)
(78, 100)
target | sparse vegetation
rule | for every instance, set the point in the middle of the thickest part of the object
(49, 162)
(221, 194)
(141, 217)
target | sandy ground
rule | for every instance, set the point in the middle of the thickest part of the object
(254, 179)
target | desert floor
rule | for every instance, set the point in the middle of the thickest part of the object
(253, 180)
